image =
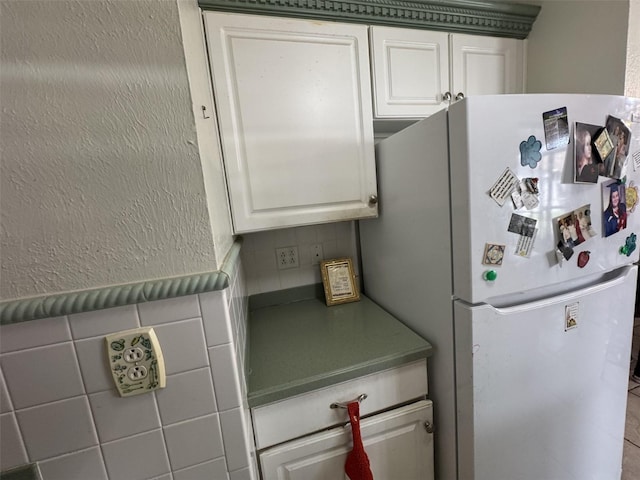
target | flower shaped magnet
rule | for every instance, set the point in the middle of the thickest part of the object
(530, 152)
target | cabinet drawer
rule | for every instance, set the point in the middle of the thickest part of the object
(310, 412)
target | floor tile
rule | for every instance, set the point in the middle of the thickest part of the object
(631, 462)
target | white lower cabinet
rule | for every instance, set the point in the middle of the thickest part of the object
(399, 444)
(305, 438)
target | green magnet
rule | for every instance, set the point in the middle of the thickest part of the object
(490, 275)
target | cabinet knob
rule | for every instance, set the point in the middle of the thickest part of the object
(459, 96)
(428, 427)
(373, 200)
(446, 97)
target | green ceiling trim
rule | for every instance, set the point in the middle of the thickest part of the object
(118, 295)
(512, 20)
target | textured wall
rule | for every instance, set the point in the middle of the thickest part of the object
(578, 46)
(101, 176)
(632, 83)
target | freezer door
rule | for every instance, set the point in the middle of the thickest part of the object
(485, 135)
(542, 387)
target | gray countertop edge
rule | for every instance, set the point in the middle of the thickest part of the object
(14, 311)
(279, 392)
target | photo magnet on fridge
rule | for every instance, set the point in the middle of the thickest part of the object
(556, 128)
(522, 225)
(620, 136)
(587, 163)
(575, 227)
(614, 207)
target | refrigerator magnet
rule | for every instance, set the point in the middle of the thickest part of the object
(530, 152)
(502, 188)
(493, 254)
(525, 244)
(556, 127)
(522, 225)
(571, 316)
(629, 245)
(563, 252)
(614, 214)
(631, 193)
(587, 164)
(583, 258)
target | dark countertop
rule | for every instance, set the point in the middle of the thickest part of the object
(299, 344)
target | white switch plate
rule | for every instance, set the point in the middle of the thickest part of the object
(135, 361)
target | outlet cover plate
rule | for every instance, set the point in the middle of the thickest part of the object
(135, 361)
(287, 257)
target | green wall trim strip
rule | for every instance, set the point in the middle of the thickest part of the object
(119, 295)
(512, 20)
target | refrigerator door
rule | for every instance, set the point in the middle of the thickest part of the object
(538, 400)
(485, 134)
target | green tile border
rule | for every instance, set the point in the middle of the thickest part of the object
(512, 20)
(117, 295)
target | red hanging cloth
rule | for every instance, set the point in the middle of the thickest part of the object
(357, 464)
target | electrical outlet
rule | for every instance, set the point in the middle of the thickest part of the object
(136, 361)
(316, 254)
(287, 257)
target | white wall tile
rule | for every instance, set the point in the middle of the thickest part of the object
(69, 427)
(236, 442)
(41, 375)
(225, 377)
(117, 417)
(166, 476)
(242, 474)
(93, 360)
(103, 322)
(170, 310)
(183, 346)
(214, 470)
(136, 458)
(5, 401)
(258, 258)
(187, 395)
(35, 333)
(306, 235)
(326, 231)
(185, 441)
(215, 317)
(12, 452)
(82, 465)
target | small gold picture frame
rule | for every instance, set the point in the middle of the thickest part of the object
(339, 281)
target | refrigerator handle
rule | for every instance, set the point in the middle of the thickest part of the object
(513, 303)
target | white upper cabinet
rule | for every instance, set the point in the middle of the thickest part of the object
(410, 71)
(294, 107)
(418, 72)
(486, 65)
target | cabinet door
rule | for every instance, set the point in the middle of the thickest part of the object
(294, 106)
(397, 442)
(410, 71)
(486, 65)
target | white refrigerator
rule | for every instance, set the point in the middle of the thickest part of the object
(531, 329)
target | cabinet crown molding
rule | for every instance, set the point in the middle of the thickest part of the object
(513, 20)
